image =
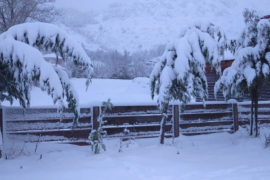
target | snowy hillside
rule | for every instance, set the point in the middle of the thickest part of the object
(143, 24)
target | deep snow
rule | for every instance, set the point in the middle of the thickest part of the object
(205, 157)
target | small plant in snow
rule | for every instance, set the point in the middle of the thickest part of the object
(95, 136)
(267, 141)
(15, 151)
(126, 138)
(126, 132)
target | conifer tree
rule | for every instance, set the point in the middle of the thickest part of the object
(180, 72)
(22, 64)
(250, 69)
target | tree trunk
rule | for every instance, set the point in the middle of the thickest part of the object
(252, 113)
(256, 114)
(162, 125)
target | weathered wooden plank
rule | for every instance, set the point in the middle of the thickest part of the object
(84, 120)
(95, 117)
(120, 130)
(206, 132)
(235, 117)
(206, 116)
(41, 113)
(208, 107)
(132, 120)
(176, 120)
(261, 121)
(202, 124)
(135, 110)
(50, 135)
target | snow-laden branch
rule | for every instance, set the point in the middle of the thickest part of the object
(50, 38)
(25, 65)
(251, 64)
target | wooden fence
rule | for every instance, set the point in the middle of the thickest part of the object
(263, 113)
(45, 124)
(197, 119)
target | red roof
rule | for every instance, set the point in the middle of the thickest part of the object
(266, 17)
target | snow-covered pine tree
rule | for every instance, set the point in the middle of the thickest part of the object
(95, 136)
(250, 69)
(22, 63)
(180, 72)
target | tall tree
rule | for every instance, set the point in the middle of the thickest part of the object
(14, 12)
(180, 72)
(22, 64)
(250, 69)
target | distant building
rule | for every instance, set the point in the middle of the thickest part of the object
(52, 59)
(266, 17)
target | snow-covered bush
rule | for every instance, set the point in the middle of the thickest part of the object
(250, 70)
(22, 64)
(95, 136)
(180, 72)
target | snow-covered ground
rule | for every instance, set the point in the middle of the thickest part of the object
(220, 156)
(136, 91)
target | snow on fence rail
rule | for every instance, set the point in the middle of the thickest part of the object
(45, 124)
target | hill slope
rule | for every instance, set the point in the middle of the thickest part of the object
(144, 24)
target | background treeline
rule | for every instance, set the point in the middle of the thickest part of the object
(117, 65)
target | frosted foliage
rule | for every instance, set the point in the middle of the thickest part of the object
(263, 34)
(26, 64)
(179, 74)
(50, 38)
(251, 63)
(32, 64)
(267, 57)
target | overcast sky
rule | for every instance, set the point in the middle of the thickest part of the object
(88, 5)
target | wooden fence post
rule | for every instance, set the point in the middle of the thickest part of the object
(235, 117)
(176, 120)
(1, 130)
(1, 121)
(95, 117)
